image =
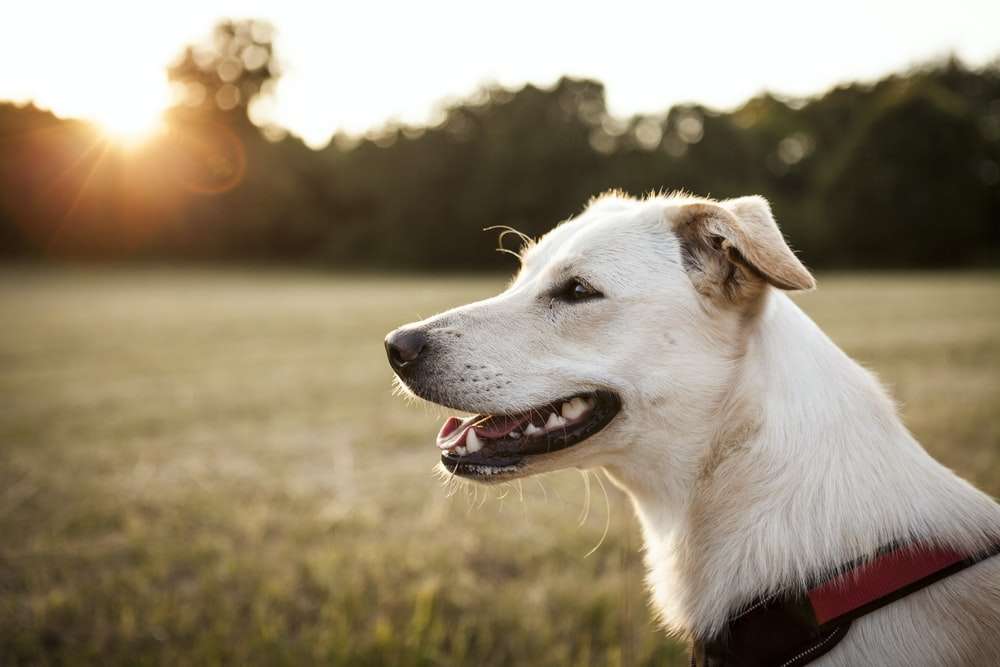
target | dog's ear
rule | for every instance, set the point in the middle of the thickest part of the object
(732, 248)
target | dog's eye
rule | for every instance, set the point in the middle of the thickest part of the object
(575, 290)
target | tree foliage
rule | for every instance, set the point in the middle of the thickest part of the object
(903, 172)
(227, 74)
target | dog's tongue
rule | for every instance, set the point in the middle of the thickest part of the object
(454, 431)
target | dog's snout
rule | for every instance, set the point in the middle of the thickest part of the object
(404, 346)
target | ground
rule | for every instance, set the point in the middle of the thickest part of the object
(204, 467)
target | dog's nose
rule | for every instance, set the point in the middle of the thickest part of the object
(404, 347)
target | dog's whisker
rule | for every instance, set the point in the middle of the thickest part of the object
(545, 493)
(470, 506)
(507, 229)
(607, 518)
(526, 241)
(454, 483)
(508, 251)
(585, 513)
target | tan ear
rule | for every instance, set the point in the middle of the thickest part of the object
(729, 244)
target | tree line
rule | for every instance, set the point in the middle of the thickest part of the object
(902, 172)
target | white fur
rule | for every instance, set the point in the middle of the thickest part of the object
(756, 453)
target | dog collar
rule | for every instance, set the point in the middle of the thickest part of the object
(788, 630)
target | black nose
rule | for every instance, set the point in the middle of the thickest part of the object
(404, 347)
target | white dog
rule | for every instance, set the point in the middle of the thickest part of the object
(770, 472)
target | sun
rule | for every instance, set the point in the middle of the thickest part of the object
(130, 130)
(130, 121)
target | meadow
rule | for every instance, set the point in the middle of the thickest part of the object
(208, 467)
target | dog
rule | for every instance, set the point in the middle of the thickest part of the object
(654, 339)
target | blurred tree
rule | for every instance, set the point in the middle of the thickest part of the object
(224, 76)
(905, 171)
(266, 202)
(906, 188)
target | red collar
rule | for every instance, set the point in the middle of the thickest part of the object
(789, 630)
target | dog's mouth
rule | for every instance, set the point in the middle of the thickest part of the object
(485, 446)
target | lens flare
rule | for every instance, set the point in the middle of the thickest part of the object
(130, 119)
(130, 129)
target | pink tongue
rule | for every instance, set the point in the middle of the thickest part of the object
(448, 427)
(453, 432)
(498, 427)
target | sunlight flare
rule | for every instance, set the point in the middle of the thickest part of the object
(129, 128)
(131, 118)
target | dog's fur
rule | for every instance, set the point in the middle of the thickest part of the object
(756, 453)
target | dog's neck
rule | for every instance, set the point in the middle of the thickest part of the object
(807, 466)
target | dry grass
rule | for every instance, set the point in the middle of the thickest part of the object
(208, 467)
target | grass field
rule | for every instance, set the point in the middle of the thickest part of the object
(206, 467)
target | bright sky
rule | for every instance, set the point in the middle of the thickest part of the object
(355, 65)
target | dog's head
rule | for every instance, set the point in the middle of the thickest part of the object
(623, 322)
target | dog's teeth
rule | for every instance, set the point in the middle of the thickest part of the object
(555, 421)
(575, 408)
(515, 435)
(460, 450)
(531, 429)
(472, 442)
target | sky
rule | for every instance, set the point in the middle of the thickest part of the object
(353, 66)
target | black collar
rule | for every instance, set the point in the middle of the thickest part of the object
(788, 630)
